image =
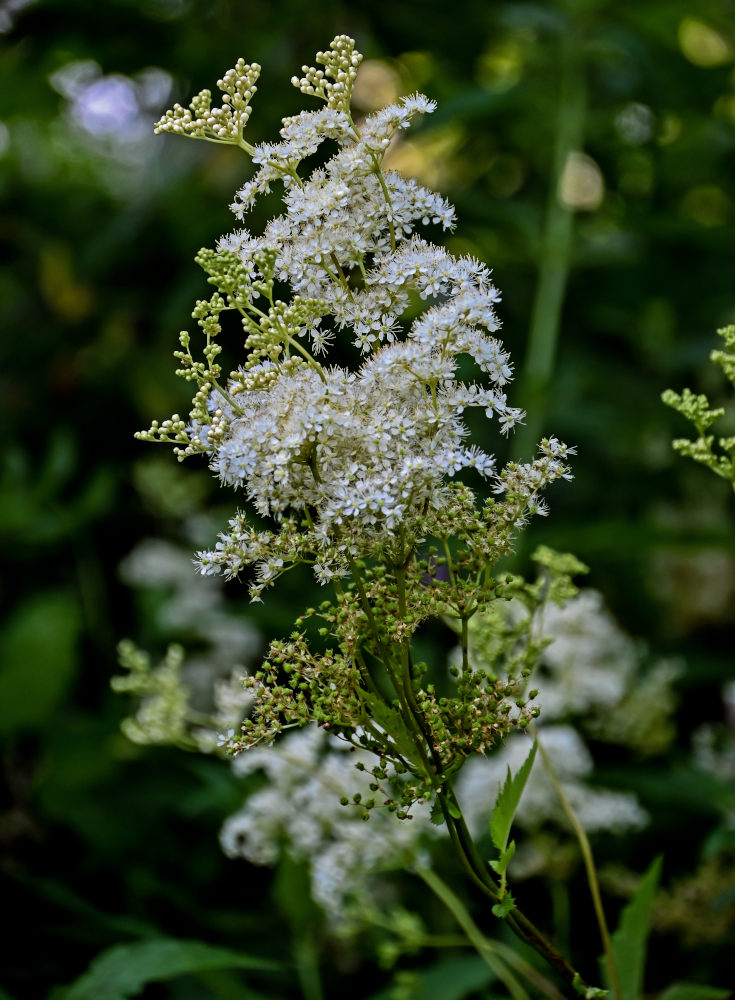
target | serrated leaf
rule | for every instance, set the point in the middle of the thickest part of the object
(506, 905)
(124, 970)
(507, 802)
(630, 939)
(694, 991)
(436, 815)
(505, 859)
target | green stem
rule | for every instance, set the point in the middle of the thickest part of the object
(226, 395)
(386, 195)
(465, 645)
(433, 767)
(477, 938)
(482, 946)
(589, 865)
(556, 245)
(518, 922)
(306, 958)
(227, 142)
(302, 350)
(342, 276)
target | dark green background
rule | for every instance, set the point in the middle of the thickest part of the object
(103, 842)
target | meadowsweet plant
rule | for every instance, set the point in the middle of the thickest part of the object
(718, 456)
(364, 473)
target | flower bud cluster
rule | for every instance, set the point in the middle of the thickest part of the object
(697, 409)
(334, 83)
(224, 124)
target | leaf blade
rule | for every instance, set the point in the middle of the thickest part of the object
(507, 801)
(630, 939)
(122, 971)
(694, 991)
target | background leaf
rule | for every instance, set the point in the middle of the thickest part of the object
(37, 653)
(630, 939)
(124, 970)
(452, 979)
(694, 991)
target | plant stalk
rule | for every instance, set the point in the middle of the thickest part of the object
(590, 869)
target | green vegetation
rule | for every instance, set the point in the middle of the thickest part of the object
(589, 150)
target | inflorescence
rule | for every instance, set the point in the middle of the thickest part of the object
(354, 467)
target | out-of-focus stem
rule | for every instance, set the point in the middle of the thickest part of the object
(556, 246)
(482, 946)
(589, 865)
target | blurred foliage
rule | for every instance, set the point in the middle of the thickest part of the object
(106, 844)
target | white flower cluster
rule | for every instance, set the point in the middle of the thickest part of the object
(192, 606)
(591, 673)
(590, 663)
(359, 451)
(594, 673)
(713, 746)
(597, 808)
(299, 811)
(308, 772)
(184, 691)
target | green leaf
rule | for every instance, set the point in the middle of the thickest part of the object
(506, 905)
(507, 803)
(694, 991)
(505, 859)
(454, 810)
(437, 813)
(124, 970)
(38, 654)
(629, 940)
(292, 892)
(450, 979)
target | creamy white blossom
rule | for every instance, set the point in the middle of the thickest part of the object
(361, 450)
(597, 808)
(299, 812)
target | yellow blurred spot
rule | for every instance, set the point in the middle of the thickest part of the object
(725, 108)
(63, 294)
(377, 84)
(114, 339)
(670, 130)
(581, 185)
(501, 67)
(708, 205)
(417, 68)
(702, 45)
(429, 158)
